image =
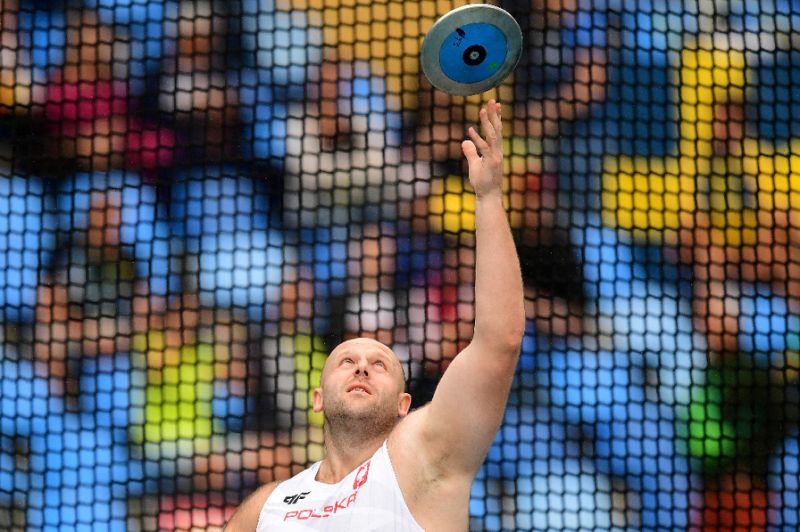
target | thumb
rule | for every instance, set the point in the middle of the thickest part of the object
(470, 151)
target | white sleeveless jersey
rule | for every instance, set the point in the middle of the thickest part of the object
(368, 499)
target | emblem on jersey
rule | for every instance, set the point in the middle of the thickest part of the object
(292, 499)
(361, 476)
(330, 509)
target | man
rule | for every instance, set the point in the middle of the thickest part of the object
(413, 474)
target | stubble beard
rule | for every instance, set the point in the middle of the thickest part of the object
(344, 422)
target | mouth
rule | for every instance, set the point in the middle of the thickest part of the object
(359, 389)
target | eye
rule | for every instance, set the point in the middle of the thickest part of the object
(347, 360)
(380, 364)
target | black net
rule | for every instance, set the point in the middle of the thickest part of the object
(199, 199)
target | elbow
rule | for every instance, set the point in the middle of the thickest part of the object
(515, 335)
(516, 325)
(516, 331)
(504, 338)
(510, 344)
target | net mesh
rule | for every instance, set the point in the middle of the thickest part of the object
(199, 199)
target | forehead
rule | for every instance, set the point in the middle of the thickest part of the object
(364, 346)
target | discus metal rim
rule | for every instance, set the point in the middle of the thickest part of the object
(461, 16)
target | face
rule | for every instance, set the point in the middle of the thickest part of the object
(362, 381)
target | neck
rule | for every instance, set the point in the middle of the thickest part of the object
(344, 451)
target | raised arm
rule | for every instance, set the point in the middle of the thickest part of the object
(458, 427)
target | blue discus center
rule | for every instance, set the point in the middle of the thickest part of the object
(473, 52)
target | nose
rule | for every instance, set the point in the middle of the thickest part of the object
(361, 368)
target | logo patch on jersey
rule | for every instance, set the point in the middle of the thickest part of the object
(361, 476)
(331, 509)
(326, 511)
(292, 499)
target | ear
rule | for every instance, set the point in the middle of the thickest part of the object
(316, 399)
(404, 404)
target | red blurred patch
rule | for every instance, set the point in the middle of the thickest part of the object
(201, 510)
(735, 510)
(149, 149)
(73, 110)
(442, 303)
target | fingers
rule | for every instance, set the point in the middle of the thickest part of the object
(491, 127)
(495, 117)
(478, 140)
(469, 149)
(491, 123)
(487, 128)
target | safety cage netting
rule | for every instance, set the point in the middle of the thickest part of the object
(199, 199)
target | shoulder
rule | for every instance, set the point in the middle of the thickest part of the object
(407, 446)
(246, 516)
(422, 451)
(423, 481)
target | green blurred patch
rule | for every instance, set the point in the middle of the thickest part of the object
(309, 359)
(737, 415)
(178, 393)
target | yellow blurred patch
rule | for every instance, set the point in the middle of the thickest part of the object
(654, 197)
(14, 96)
(451, 206)
(179, 390)
(310, 354)
(648, 197)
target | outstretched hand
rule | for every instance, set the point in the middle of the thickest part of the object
(486, 169)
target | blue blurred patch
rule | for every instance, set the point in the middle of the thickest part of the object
(775, 95)
(223, 218)
(278, 46)
(765, 323)
(42, 32)
(145, 27)
(145, 231)
(27, 243)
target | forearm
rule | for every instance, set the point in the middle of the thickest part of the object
(499, 305)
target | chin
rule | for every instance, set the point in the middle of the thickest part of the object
(357, 408)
